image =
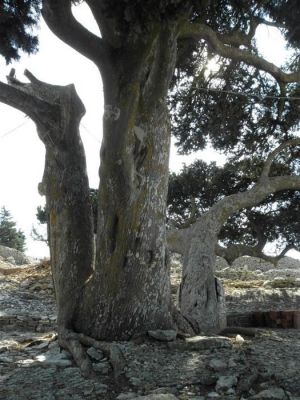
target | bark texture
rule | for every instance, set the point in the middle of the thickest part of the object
(57, 111)
(201, 296)
(130, 291)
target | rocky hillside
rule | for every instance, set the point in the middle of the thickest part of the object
(249, 364)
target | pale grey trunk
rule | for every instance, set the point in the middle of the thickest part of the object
(201, 296)
(57, 112)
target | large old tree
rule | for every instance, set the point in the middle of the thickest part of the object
(127, 290)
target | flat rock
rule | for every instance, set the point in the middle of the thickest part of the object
(217, 364)
(163, 335)
(202, 343)
(271, 394)
(127, 396)
(165, 396)
(102, 368)
(226, 382)
(95, 354)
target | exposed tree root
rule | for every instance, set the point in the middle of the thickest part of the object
(111, 350)
(74, 342)
(69, 340)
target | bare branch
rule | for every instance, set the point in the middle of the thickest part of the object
(203, 31)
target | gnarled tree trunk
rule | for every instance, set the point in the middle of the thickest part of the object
(201, 296)
(57, 111)
(130, 290)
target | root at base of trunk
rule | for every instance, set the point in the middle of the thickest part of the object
(75, 343)
(69, 340)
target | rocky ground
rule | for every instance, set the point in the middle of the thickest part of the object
(254, 363)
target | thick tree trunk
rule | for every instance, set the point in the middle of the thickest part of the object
(66, 187)
(57, 111)
(130, 291)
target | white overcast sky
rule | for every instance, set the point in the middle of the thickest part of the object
(22, 153)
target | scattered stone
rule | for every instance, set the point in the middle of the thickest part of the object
(213, 395)
(163, 335)
(100, 388)
(95, 354)
(178, 369)
(225, 383)
(202, 343)
(239, 339)
(246, 382)
(271, 394)
(217, 364)
(127, 396)
(4, 359)
(166, 396)
(102, 368)
(14, 256)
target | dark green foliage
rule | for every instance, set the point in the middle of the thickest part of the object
(287, 13)
(237, 107)
(18, 18)
(9, 235)
(41, 215)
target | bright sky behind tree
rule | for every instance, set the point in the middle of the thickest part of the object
(21, 152)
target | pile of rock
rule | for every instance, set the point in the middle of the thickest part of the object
(14, 257)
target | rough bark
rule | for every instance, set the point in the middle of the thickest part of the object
(57, 111)
(200, 297)
(130, 291)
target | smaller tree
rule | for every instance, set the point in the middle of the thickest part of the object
(198, 187)
(9, 235)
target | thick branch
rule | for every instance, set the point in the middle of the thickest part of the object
(238, 38)
(20, 96)
(231, 204)
(58, 16)
(177, 240)
(203, 31)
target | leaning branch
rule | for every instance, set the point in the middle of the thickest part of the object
(203, 31)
